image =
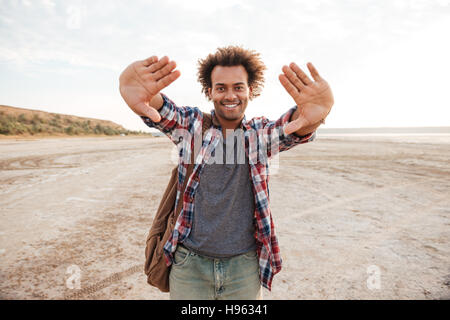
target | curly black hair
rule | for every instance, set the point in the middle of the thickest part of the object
(233, 56)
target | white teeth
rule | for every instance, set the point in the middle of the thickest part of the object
(230, 105)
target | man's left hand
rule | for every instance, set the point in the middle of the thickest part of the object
(314, 99)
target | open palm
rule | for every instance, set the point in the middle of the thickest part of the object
(142, 80)
(313, 98)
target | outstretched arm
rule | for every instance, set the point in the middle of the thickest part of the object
(314, 99)
(141, 82)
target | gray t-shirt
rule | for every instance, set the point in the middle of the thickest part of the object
(223, 223)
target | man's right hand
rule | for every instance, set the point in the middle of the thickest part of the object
(141, 82)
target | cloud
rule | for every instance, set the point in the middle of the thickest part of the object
(48, 4)
(103, 34)
(77, 37)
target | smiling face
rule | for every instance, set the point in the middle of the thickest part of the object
(230, 94)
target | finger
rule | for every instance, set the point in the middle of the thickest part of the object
(295, 125)
(168, 68)
(313, 71)
(290, 88)
(168, 79)
(293, 78)
(299, 72)
(149, 61)
(143, 109)
(158, 65)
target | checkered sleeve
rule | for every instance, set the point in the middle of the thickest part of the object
(276, 140)
(175, 121)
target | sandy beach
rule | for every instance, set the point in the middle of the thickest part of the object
(357, 217)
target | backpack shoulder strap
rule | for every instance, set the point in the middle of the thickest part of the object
(207, 122)
(168, 199)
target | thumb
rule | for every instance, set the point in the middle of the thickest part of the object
(144, 109)
(295, 125)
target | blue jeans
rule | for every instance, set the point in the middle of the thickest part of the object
(195, 277)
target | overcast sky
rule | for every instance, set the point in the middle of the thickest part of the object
(386, 61)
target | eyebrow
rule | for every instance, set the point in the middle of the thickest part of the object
(234, 84)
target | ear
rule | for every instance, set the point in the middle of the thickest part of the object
(209, 93)
(250, 91)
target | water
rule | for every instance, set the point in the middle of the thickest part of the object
(433, 138)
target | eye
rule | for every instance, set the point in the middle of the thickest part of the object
(239, 88)
(219, 89)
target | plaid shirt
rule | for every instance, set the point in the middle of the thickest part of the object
(257, 146)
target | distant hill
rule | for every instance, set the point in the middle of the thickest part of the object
(19, 121)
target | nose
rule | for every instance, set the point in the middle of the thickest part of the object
(230, 95)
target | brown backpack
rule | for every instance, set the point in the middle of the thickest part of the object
(163, 223)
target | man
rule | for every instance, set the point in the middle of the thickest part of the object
(223, 245)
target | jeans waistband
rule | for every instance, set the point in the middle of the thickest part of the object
(211, 257)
